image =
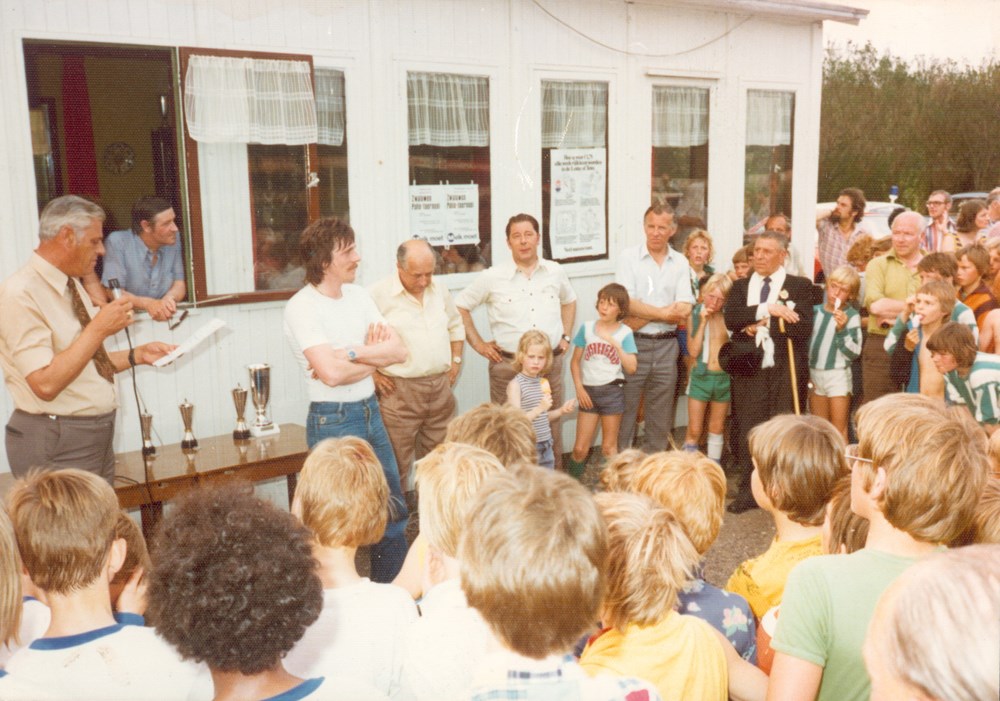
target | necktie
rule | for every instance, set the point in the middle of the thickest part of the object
(765, 290)
(105, 368)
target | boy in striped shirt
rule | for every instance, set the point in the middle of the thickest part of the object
(835, 342)
(972, 378)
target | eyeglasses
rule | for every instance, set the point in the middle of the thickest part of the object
(851, 453)
(174, 324)
(935, 203)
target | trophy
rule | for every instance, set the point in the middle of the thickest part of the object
(189, 442)
(240, 402)
(146, 424)
(260, 392)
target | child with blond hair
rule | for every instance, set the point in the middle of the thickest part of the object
(708, 388)
(693, 489)
(530, 391)
(797, 461)
(444, 645)
(342, 497)
(536, 574)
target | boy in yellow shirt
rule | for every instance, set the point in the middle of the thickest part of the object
(797, 461)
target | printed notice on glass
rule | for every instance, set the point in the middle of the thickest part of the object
(445, 215)
(576, 217)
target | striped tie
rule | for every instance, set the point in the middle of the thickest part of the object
(105, 368)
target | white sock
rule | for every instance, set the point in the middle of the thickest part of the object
(715, 443)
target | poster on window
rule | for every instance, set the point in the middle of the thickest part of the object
(576, 215)
(445, 215)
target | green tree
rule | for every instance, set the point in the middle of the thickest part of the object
(923, 126)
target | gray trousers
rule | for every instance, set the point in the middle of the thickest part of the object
(58, 442)
(655, 379)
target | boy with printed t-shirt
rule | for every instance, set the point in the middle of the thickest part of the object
(916, 475)
(64, 522)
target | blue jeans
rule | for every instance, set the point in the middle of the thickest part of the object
(363, 420)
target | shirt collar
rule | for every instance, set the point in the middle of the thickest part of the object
(542, 265)
(671, 253)
(50, 273)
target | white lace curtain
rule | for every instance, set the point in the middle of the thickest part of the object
(574, 114)
(249, 100)
(448, 110)
(769, 117)
(330, 106)
(680, 117)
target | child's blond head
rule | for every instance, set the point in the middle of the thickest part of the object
(847, 277)
(64, 523)
(934, 463)
(449, 478)
(342, 495)
(798, 460)
(531, 339)
(501, 429)
(618, 470)
(691, 486)
(649, 559)
(533, 554)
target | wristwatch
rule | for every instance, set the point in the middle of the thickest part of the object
(352, 354)
(566, 338)
(457, 360)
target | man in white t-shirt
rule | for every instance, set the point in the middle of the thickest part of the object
(340, 339)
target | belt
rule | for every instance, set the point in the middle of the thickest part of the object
(655, 336)
(556, 352)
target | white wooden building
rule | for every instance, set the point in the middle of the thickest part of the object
(713, 105)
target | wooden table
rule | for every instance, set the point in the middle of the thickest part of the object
(145, 483)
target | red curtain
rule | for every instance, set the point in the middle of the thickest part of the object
(81, 160)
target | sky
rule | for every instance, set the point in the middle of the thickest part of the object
(964, 30)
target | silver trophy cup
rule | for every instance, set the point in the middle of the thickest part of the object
(146, 424)
(240, 402)
(189, 442)
(260, 392)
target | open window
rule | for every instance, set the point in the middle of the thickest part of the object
(251, 149)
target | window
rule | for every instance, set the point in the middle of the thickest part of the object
(264, 150)
(574, 170)
(449, 167)
(768, 183)
(680, 156)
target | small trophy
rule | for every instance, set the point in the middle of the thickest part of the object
(260, 392)
(146, 424)
(240, 402)
(189, 442)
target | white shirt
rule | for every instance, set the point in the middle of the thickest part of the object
(654, 284)
(359, 635)
(516, 303)
(314, 319)
(753, 291)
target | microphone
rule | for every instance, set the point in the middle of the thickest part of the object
(116, 289)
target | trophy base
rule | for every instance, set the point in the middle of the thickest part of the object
(263, 431)
(189, 444)
(241, 435)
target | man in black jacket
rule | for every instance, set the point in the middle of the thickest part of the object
(763, 313)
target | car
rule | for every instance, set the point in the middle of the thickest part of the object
(958, 198)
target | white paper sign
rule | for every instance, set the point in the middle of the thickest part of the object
(577, 225)
(445, 215)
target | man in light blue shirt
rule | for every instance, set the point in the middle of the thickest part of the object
(147, 260)
(658, 280)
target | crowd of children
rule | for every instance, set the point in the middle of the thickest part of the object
(518, 566)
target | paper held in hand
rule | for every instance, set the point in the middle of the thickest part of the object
(192, 342)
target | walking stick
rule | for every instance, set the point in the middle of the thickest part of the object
(791, 368)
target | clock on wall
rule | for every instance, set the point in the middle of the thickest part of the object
(118, 158)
